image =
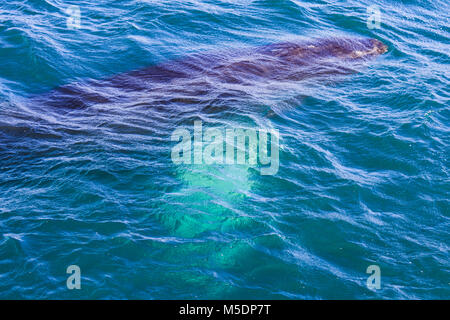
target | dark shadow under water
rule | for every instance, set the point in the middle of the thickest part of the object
(189, 80)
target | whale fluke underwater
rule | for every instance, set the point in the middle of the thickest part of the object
(196, 74)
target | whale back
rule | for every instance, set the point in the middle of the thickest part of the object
(202, 73)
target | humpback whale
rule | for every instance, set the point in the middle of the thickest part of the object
(198, 85)
(196, 73)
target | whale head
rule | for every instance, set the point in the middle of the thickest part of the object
(349, 48)
(367, 48)
(342, 48)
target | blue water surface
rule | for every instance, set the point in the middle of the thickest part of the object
(363, 177)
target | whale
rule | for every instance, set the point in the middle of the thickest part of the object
(195, 81)
(198, 73)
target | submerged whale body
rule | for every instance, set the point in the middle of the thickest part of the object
(198, 73)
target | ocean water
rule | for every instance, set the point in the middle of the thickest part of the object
(363, 175)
